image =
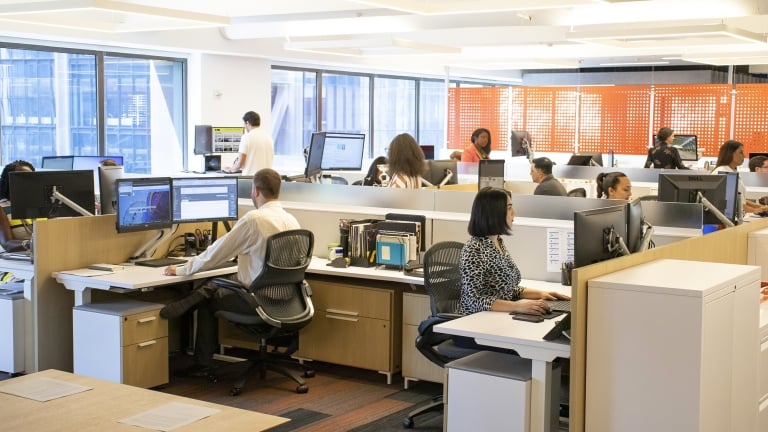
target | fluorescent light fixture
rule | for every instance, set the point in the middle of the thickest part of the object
(728, 59)
(106, 16)
(369, 47)
(517, 64)
(667, 37)
(445, 7)
(638, 63)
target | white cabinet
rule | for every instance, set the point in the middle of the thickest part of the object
(415, 366)
(673, 345)
(12, 333)
(124, 342)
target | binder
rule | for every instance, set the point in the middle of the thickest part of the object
(395, 248)
(362, 242)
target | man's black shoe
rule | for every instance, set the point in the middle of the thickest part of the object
(197, 371)
(177, 308)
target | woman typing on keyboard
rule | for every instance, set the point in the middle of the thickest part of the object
(14, 234)
(490, 279)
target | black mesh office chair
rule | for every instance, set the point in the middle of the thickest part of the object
(281, 302)
(442, 282)
(578, 192)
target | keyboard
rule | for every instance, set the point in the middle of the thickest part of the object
(17, 256)
(559, 305)
(160, 262)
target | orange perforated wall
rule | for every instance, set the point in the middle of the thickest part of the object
(698, 109)
(478, 107)
(751, 117)
(614, 118)
(548, 114)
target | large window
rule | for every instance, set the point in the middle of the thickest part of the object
(294, 110)
(346, 103)
(394, 111)
(432, 116)
(51, 106)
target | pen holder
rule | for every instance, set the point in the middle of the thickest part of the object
(565, 273)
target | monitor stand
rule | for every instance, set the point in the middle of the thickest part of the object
(56, 195)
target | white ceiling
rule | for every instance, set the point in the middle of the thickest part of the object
(483, 38)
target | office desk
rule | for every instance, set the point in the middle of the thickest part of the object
(319, 266)
(132, 278)
(100, 408)
(498, 329)
(26, 270)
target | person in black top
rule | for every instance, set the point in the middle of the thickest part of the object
(663, 155)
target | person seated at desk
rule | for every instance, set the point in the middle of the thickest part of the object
(480, 147)
(541, 173)
(406, 162)
(614, 185)
(15, 234)
(490, 279)
(248, 241)
(456, 155)
(663, 155)
(373, 178)
(729, 158)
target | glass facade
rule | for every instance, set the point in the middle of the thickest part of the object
(394, 111)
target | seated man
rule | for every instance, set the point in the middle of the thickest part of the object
(248, 241)
(541, 173)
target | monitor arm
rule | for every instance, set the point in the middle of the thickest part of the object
(58, 196)
(714, 210)
(448, 176)
(645, 242)
(528, 149)
(614, 243)
(162, 235)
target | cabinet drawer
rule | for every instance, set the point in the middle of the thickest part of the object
(143, 327)
(763, 370)
(351, 300)
(415, 308)
(352, 341)
(145, 364)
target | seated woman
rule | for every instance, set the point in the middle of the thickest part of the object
(614, 185)
(490, 279)
(373, 178)
(729, 158)
(406, 162)
(14, 233)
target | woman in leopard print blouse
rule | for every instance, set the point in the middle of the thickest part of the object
(490, 280)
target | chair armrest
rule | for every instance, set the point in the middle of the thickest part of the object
(228, 284)
(449, 316)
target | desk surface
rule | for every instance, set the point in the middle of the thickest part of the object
(319, 266)
(99, 409)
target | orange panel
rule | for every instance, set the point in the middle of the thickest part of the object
(614, 118)
(470, 108)
(548, 114)
(751, 117)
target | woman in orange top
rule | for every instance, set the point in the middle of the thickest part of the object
(480, 148)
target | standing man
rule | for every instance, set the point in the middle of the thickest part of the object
(541, 173)
(256, 150)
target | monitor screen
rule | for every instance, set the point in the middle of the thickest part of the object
(212, 163)
(598, 234)
(429, 151)
(720, 190)
(58, 162)
(753, 154)
(315, 156)
(635, 224)
(342, 151)
(586, 159)
(519, 143)
(490, 172)
(143, 204)
(31, 192)
(686, 145)
(107, 192)
(437, 170)
(204, 199)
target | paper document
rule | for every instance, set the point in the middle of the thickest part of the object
(42, 389)
(87, 272)
(169, 416)
(559, 248)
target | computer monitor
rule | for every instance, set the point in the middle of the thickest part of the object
(342, 151)
(204, 199)
(520, 143)
(719, 190)
(490, 172)
(639, 231)
(32, 193)
(429, 151)
(753, 154)
(686, 145)
(586, 159)
(315, 156)
(212, 163)
(203, 139)
(58, 162)
(107, 192)
(599, 234)
(143, 204)
(438, 170)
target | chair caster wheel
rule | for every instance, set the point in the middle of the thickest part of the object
(309, 374)
(302, 389)
(408, 423)
(234, 391)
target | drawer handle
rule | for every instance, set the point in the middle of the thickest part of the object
(147, 343)
(146, 320)
(342, 318)
(342, 312)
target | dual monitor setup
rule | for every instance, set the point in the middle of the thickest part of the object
(609, 232)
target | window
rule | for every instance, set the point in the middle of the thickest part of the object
(394, 111)
(294, 110)
(346, 104)
(432, 116)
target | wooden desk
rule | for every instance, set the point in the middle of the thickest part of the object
(498, 329)
(100, 409)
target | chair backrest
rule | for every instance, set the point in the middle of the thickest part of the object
(442, 279)
(279, 288)
(578, 192)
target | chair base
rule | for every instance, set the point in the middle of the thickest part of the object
(434, 406)
(276, 363)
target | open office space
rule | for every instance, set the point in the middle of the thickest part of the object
(426, 72)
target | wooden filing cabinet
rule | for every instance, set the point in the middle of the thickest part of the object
(124, 342)
(357, 323)
(415, 366)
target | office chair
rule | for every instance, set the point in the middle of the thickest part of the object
(578, 192)
(338, 180)
(280, 298)
(442, 282)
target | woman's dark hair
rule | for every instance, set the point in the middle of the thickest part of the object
(405, 156)
(489, 213)
(372, 177)
(663, 134)
(725, 155)
(476, 133)
(5, 184)
(608, 180)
